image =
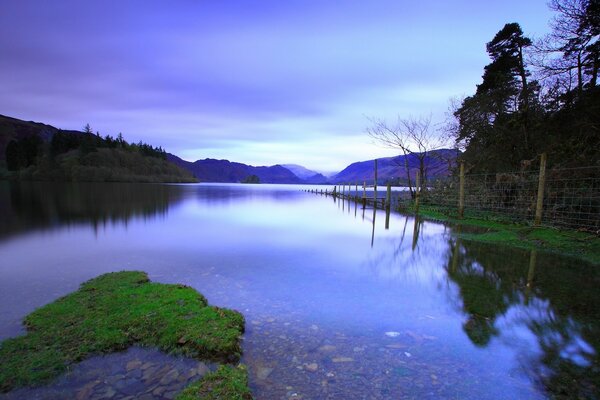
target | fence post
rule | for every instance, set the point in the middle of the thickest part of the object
(388, 196)
(364, 198)
(417, 191)
(375, 187)
(461, 191)
(540, 195)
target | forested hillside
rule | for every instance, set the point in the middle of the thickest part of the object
(34, 151)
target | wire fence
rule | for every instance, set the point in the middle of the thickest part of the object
(571, 197)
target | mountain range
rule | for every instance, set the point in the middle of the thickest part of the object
(438, 162)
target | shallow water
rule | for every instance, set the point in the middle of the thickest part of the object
(336, 306)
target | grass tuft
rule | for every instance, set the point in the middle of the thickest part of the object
(110, 313)
(227, 382)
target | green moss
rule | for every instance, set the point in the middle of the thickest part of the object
(110, 313)
(583, 245)
(227, 382)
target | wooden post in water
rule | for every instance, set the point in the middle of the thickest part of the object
(388, 197)
(364, 198)
(388, 200)
(356, 191)
(375, 187)
(540, 195)
(530, 274)
(461, 191)
(417, 191)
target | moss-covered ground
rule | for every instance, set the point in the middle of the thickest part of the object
(112, 312)
(227, 382)
(580, 244)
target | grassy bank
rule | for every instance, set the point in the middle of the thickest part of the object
(583, 245)
(110, 313)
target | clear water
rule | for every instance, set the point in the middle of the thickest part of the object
(336, 305)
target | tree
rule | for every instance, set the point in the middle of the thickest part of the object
(569, 57)
(497, 120)
(87, 129)
(15, 158)
(415, 137)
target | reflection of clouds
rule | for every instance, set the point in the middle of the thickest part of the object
(394, 258)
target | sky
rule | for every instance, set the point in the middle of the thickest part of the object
(260, 82)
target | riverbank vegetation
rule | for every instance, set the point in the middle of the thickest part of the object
(579, 244)
(111, 313)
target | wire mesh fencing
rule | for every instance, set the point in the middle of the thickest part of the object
(571, 197)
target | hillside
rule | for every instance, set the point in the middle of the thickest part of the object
(36, 151)
(211, 170)
(392, 168)
(307, 175)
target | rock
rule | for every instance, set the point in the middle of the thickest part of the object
(202, 369)
(396, 346)
(326, 348)
(86, 391)
(342, 359)
(312, 367)
(169, 377)
(158, 392)
(263, 373)
(146, 365)
(133, 365)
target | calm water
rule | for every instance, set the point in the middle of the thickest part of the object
(337, 306)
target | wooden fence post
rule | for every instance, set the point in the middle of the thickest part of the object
(388, 196)
(364, 198)
(540, 194)
(461, 191)
(375, 187)
(417, 191)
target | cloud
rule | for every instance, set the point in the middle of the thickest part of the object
(270, 78)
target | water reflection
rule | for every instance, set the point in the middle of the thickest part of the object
(505, 290)
(34, 205)
(384, 305)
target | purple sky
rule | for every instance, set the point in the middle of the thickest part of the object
(260, 82)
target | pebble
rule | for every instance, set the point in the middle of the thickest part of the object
(263, 372)
(312, 367)
(326, 348)
(342, 359)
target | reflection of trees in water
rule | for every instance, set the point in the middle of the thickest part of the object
(557, 299)
(32, 205)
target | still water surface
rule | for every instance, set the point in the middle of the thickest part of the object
(336, 305)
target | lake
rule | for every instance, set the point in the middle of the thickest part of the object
(336, 305)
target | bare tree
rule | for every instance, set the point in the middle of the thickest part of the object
(569, 56)
(414, 136)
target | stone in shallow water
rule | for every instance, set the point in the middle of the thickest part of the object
(263, 372)
(312, 367)
(342, 359)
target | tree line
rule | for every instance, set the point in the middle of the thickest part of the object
(30, 150)
(536, 96)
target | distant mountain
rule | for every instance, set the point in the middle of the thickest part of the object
(307, 175)
(211, 170)
(438, 164)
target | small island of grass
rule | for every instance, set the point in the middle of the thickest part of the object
(114, 311)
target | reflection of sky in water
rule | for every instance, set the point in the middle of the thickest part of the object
(277, 253)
